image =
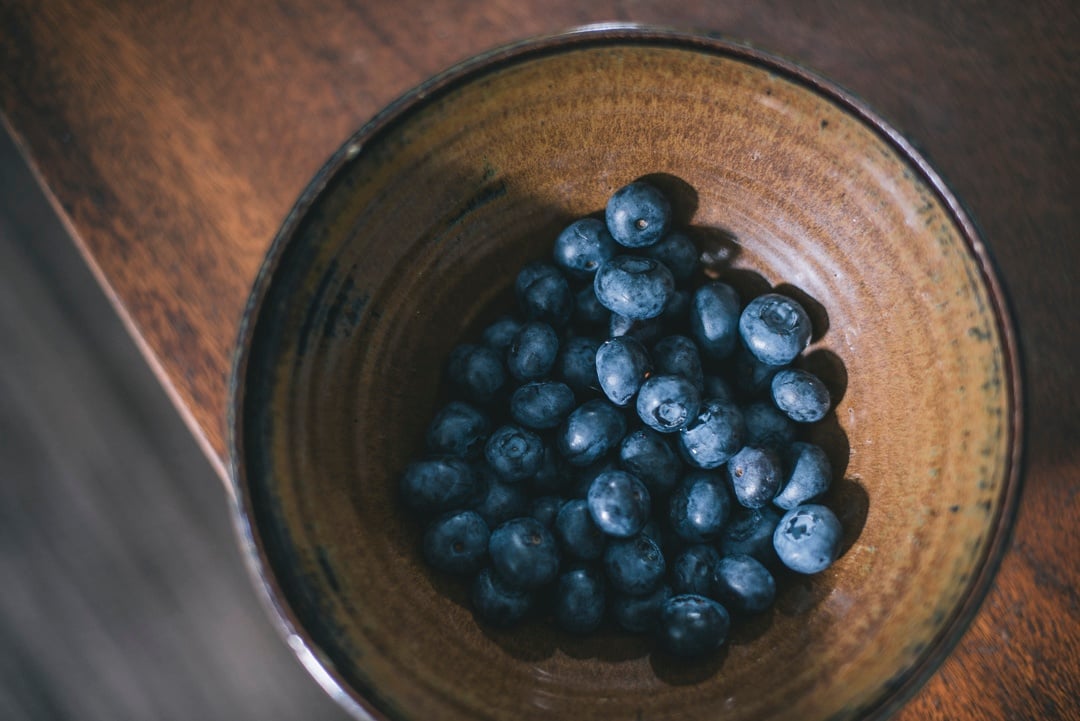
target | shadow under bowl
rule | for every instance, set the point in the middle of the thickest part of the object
(403, 246)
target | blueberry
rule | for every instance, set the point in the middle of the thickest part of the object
(637, 215)
(751, 377)
(499, 334)
(692, 570)
(502, 502)
(677, 355)
(714, 319)
(767, 427)
(714, 436)
(699, 507)
(692, 625)
(716, 388)
(583, 246)
(589, 313)
(497, 603)
(532, 351)
(619, 503)
(640, 614)
(440, 484)
(457, 542)
(545, 509)
(743, 585)
(635, 287)
(809, 475)
(577, 534)
(458, 430)
(645, 331)
(476, 371)
(750, 531)
(514, 453)
(586, 475)
(541, 404)
(668, 403)
(676, 315)
(553, 477)
(807, 539)
(577, 364)
(801, 395)
(647, 455)
(543, 294)
(590, 432)
(524, 553)
(634, 565)
(756, 475)
(678, 253)
(580, 599)
(774, 328)
(621, 365)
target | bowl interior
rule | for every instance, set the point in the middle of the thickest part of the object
(417, 231)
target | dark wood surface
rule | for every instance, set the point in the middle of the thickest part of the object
(174, 137)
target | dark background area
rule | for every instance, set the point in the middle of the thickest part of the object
(122, 590)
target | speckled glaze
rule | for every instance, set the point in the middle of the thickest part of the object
(412, 233)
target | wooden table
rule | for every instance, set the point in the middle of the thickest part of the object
(174, 136)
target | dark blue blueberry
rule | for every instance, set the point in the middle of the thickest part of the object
(457, 542)
(585, 476)
(714, 319)
(809, 475)
(743, 585)
(662, 536)
(589, 313)
(514, 453)
(676, 315)
(541, 404)
(647, 455)
(714, 436)
(590, 432)
(678, 253)
(801, 395)
(634, 565)
(692, 626)
(554, 476)
(497, 603)
(502, 502)
(645, 331)
(638, 215)
(716, 388)
(545, 509)
(583, 246)
(767, 427)
(640, 614)
(476, 371)
(692, 570)
(577, 364)
(807, 539)
(699, 506)
(440, 484)
(635, 287)
(499, 334)
(677, 355)
(751, 377)
(750, 531)
(577, 534)
(543, 294)
(774, 328)
(458, 430)
(532, 351)
(668, 403)
(524, 553)
(756, 475)
(580, 599)
(619, 503)
(622, 365)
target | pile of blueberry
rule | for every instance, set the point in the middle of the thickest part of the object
(624, 446)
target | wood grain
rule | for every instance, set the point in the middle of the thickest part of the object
(175, 136)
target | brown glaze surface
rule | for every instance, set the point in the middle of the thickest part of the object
(174, 138)
(419, 231)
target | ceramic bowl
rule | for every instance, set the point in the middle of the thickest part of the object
(408, 241)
